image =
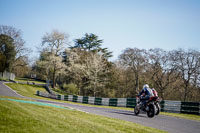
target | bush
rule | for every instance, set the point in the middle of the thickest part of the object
(70, 88)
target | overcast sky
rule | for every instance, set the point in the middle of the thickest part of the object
(167, 24)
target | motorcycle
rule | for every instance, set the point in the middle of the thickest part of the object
(152, 106)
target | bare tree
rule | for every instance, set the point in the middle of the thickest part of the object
(136, 61)
(162, 69)
(56, 42)
(188, 64)
(124, 80)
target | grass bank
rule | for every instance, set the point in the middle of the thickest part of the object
(30, 90)
(24, 117)
(30, 80)
(26, 90)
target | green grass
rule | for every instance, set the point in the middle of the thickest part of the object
(30, 90)
(26, 90)
(184, 116)
(3, 79)
(28, 118)
(30, 80)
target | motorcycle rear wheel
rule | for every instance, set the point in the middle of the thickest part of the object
(151, 111)
(158, 108)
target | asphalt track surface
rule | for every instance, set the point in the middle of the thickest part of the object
(166, 123)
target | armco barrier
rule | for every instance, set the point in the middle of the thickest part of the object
(66, 98)
(172, 106)
(80, 99)
(121, 102)
(85, 100)
(166, 106)
(98, 101)
(74, 98)
(130, 102)
(70, 98)
(113, 102)
(190, 107)
(105, 101)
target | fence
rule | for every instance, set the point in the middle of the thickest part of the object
(166, 106)
(7, 76)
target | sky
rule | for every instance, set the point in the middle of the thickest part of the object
(144, 24)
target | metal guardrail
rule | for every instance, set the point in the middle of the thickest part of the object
(166, 106)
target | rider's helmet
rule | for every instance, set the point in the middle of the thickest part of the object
(146, 86)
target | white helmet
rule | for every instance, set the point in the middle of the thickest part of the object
(146, 86)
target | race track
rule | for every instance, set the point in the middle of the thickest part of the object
(170, 124)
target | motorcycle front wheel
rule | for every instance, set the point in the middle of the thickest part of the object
(136, 110)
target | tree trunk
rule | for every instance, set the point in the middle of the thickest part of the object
(136, 84)
(185, 94)
(95, 86)
(161, 93)
(54, 78)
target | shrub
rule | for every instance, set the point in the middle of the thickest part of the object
(70, 88)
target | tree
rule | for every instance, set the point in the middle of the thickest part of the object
(136, 61)
(21, 51)
(7, 51)
(90, 42)
(162, 69)
(123, 80)
(96, 71)
(188, 65)
(2, 62)
(52, 64)
(88, 70)
(56, 42)
(74, 59)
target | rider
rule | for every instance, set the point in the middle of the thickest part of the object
(145, 94)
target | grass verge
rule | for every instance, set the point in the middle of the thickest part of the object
(30, 90)
(30, 80)
(184, 116)
(26, 90)
(24, 117)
